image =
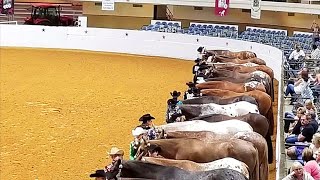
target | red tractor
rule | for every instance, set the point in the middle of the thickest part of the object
(48, 15)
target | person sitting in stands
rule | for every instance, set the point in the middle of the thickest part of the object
(147, 121)
(113, 169)
(99, 175)
(310, 165)
(315, 54)
(138, 134)
(303, 131)
(298, 173)
(299, 87)
(296, 56)
(300, 111)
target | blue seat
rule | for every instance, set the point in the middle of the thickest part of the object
(204, 26)
(164, 23)
(192, 25)
(176, 24)
(198, 26)
(170, 24)
(210, 27)
(158, 23)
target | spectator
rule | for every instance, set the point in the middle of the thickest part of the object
(303, 131)
(296, 56)
(311, 166)
(315, 54)
(295, 152)
(315, 31)
(298, 173)
(300, 111)
(316, 83)
(300, 87)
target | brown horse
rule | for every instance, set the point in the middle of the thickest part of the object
(263, 99)
(256, 139)
(246, 69)
(203, 152)
(223, 59)
(230, 54)
(236, 87)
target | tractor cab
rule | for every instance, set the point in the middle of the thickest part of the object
(48, 15)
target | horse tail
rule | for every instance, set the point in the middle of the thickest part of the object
(255, 175)
(268, 155)
(270, 148)
(270, 117)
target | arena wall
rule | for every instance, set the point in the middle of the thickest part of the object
(236, 16)
(180, 46)
(124, 16)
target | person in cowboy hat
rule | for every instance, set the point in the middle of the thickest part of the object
(146, 121)
(138, 134)
(201, 51)
(99, 175)
(201, 76)
(116, 155)
(192, 91)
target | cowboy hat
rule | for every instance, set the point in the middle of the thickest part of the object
(116, 151)
(200, 49)
(138, 131)
(146, 117)
(175, 94)
(99, 173)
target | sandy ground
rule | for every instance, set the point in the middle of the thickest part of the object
(62, 110)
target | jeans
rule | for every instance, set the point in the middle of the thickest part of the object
(292, 139)
(287, 122)
(290, 90)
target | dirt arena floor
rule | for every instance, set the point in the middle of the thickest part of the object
(61, 111)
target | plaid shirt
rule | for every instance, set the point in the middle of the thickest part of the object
(315, 54)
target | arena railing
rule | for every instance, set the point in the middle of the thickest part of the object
(281, 166)
(9, 22)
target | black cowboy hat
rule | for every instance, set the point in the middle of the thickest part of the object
(146, 118)
(200, 49)
(175, 94)
(152, 148)
(99, 173)
(197, 60)
(190, 84)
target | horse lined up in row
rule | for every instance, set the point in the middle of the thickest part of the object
(226, 130)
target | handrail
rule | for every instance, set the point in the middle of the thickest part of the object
(9, 22)
(169, 14)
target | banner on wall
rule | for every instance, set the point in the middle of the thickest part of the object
(221, 7)
(255, 9)
(7, 6)
(108, 5)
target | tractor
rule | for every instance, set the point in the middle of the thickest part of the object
(48, 15)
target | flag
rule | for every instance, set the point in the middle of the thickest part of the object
(221, 7)
(255, 9)
(108, 5)
(7, 6)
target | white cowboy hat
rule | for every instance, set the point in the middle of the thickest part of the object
(138, 131)
(115, 150)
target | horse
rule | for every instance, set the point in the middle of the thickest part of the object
(230, 54)
(236, 87)
(224, 59)
(219, 100)
(140, 169)
(256, 139)
(224, 127)
(229, 163)
(234, 110)
(263, 99)
(240, 78)
(203, 152)
(246, 69)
